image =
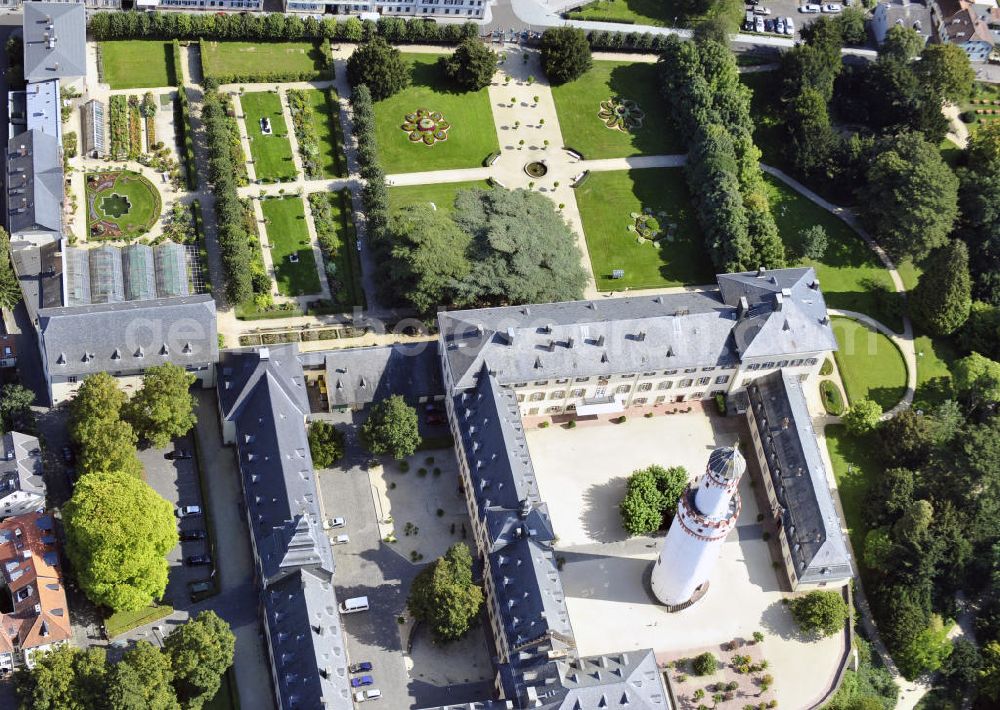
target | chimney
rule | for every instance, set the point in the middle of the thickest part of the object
(641, 336)
(264, 353)
(743, 308)
(761, 271)
(778, 299)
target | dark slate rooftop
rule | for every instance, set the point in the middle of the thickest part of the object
(240, 370)
(82, 340)
(363, 375)
(812, 526)
(752, 315)
(34, 182)
(54, 40)
(21, 465)
(307, 644)
(628, 680)
(39, 271)
(506, 489)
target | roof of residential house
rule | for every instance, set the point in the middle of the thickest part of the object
(29, 563)
(39, 271)
(34, 183)
(43, 108)
(757, 314)
(364, 375)
(495, 447)
(966, 26)
(21, 465)
(307, 644)
(269, 411)
(82, 340)
(812, 526)
(54, 40)
(908, 14)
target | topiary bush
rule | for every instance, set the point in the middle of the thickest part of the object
(705, 664)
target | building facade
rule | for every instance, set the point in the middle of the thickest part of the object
(22, 480)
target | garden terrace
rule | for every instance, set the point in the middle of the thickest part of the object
(291, 251)
(271, 152)
(470, 137)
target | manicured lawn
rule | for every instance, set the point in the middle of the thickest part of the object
(131, 202)
(138, 64)
(856, 467)
(870, 364)
(934, 360)
(848, 269)
(272, 154)
(578, 103)
(326, 121)
(472, 135)
(287, 234)
(334, 220)
(250, 58)
(441, 194)
(607, 200)
(122, 621)
(661, 13)
(982, 100)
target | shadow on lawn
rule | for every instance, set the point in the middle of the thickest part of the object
(641, 83)
(430, 75)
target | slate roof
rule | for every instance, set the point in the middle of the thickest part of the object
(39, 271)
(357, 376)
(43, 108)
(812, 526)
(82, 340)
(34, 183)
(54, 40)
(21, 465)
(306, 642)
(627, 679)
(757, 314)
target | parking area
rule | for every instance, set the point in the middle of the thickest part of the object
(773, 10)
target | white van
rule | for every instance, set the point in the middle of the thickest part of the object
(363, 695)
(354, 604)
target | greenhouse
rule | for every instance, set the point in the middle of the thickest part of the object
(140, 272)
(107, 282)
(76, 270)
(171, 270)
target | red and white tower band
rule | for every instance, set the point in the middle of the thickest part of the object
(705, 516)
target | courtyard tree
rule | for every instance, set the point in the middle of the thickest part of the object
(471, 66)
(651, 496)
(163, 408)
(104, 440)
(200, 653)
(910, 196)
(863, 416)
(813, 241)
(63, 678)
(444, 596)
(820, 612)
(380, 67)
(942, 299)
(118, 530)
(565, 54)
(391, 428)
(326, 444)
(142, 679)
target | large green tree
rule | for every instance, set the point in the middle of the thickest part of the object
(944, 70)
(902, 43)
(104, 440)
(200, 652)
(15, 407)
(471, 66)
(64, 678)
(118, 530)
(651, 496)
(943, 297)
(444, 596)
(326, 444)
(380, 67)
(977, 378)
(565, 54)
(142, 680)
(863, 416)
(820, 612)
(391, 428)
(10, 289)
(163, 408)
(989, 676)
(910, 197)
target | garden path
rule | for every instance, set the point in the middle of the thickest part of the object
(958, 132)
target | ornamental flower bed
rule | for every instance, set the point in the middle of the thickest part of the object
(118, 120)
(427, 127)
(621, 114)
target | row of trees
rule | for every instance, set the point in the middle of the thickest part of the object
(185, 674)
(979, 221)
(711, 109)
(270, 27)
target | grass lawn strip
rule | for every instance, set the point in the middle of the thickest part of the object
(578, 102)
(122, 621)
(441, 194)
(934, 361)
(472, 135)
(138, 64)
(287, 234)
(659, 13)
(855, 467)
(272, 154)
(870, 364)
(338, 238)
(326, 121)
(249, 58)
(606, 202)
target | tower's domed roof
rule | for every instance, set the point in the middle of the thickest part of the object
(726, 463)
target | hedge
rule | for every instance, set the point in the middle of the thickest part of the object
(598, 18)
(178, 72)
(118, 125)
(185, 139)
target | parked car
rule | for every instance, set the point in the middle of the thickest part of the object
(188, 535)
(761, 10)
(188, 511)
(360, 667)
(779, 25)
(832, 8)
(342, 539)
(197, 589)
(758, 25)
(810, 8)
(198, 560)
(178, 455)
(768, 25)
(789, 26)
(363, 695)
(335, 523)
(362, 680)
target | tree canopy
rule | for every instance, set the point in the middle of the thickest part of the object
(444, 596)
(104, 440)
(902, 43)
(944, 70)
(163, 408)
(863, 416)
(391, 428)
(118, 530)
(565, 54)
(63, 678)
(471, 66)
(10, 289)
(651, 496)
(943, 297)
(820, 612)
(326, 444)
(142, 680)
(380, 67)
(200, 652)
(978, 379)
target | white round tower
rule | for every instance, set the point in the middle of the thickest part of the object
(705, 516)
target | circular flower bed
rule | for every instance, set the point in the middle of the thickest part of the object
(536, 168)
(621, 114)
(427, 127)
(645, 226)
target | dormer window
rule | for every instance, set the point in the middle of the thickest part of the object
(116, 355)
(187, 349)
(139, 353)
(164, 351)
(61, 360)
